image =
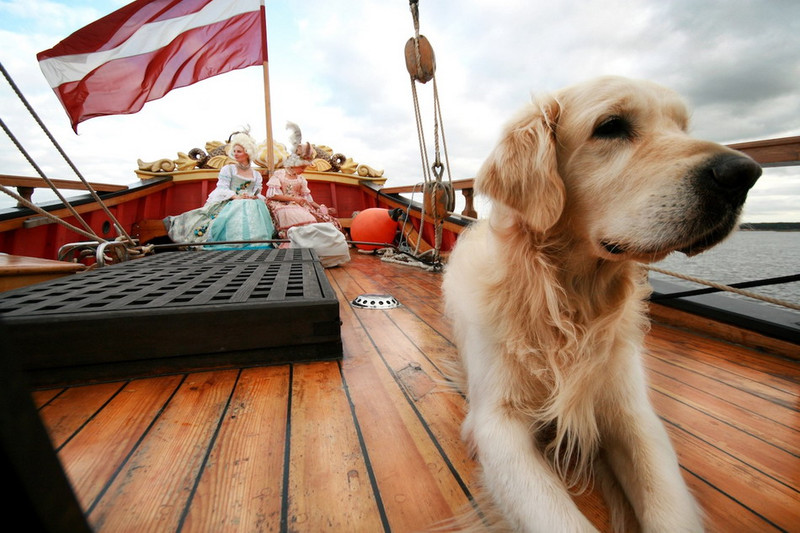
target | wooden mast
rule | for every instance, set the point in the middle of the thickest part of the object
(267, 106)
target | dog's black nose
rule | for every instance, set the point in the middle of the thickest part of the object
(734, 172)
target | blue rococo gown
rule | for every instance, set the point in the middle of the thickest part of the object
(224, 219)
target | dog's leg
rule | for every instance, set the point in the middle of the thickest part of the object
(643, 460)
(523, 485)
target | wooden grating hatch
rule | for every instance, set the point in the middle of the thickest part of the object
(176, 312)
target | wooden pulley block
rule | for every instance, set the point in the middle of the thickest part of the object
(424, 70)
(439, 199)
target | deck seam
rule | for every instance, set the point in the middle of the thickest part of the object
(726, 495)
(94, 415)
(209, 448)
(423, 422)
(373, 481)
(287, 456)
(101, 493)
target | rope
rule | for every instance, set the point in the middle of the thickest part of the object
(407, 218)
(404, 259)
(89, 188)
(438, 111)
(727, 288)
(50, 216)
(431, 187)
(49, 182)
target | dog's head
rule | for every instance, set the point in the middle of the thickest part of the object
(610, 163)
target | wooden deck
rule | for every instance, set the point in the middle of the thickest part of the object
(372, 443)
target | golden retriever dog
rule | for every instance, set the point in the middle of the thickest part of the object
(547, 297)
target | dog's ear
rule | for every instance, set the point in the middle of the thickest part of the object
(522, 170)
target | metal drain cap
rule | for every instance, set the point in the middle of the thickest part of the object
(376, 301)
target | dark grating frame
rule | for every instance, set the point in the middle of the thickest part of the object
(176, 312)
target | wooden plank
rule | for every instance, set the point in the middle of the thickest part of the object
(152, 489)
(17, 271)
(774, 411)
(778, 504)
(410, 472)
(148, 229)
(723, 514)
(776, 152)
(771, 388)
(768, 382)
(714, 328)
(242, 484)
(417, 289)
(27, 181)
(103, 444)
(65, 414)
(439, 407)
(759, 453)
(717, 352)
(329, 485)
(41, 397)
(757, 425)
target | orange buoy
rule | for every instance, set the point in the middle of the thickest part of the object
(373, 225)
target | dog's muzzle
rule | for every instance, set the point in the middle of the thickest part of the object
(721, 185)
(730, 174)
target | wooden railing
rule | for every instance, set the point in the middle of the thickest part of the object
(772, 152)
(26, 185)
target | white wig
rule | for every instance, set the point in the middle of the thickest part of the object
(243, 139)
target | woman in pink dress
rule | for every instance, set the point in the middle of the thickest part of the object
(288, 196)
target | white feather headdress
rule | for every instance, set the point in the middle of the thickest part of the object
(301, 153)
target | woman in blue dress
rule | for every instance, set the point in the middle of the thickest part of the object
(235, 209)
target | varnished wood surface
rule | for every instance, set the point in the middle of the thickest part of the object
(17, 271)
(372, 443)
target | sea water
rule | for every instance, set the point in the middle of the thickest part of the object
(744, 256)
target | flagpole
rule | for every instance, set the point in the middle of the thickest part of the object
(267, 107)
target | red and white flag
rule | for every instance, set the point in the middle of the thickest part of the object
(149, 47)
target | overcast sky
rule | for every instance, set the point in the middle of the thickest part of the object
(337, 69)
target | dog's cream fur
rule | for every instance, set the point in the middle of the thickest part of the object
(546, 296)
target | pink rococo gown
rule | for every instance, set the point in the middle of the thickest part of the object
(290, 214)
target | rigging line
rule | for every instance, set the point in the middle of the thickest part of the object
(420, 133)
(52, 217)
(426, 176)
(89, 188)
(406, 221)
(727, 288)
(414, 5)
(421, 219)
(740, 285)
(436, 127)
(438, 110)
(48, 181)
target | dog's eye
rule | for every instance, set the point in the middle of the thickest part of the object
(613, 127)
